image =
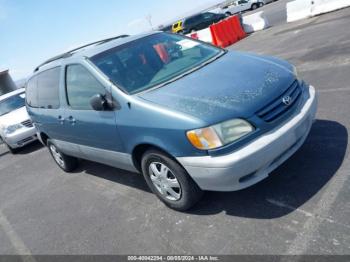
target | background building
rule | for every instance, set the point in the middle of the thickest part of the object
(6, 82)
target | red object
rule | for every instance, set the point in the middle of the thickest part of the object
(194, 36)
(237, 27)
(219, 35)
(227, 32)
(162, 52)
(231, 32)
(213, 35)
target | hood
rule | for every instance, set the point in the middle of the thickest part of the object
(235, 86)
(14, 117)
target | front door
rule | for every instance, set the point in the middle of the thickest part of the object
(95, 132)
(243, 5)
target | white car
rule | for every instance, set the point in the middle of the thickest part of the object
(239, 6)
(16, 128)
(268, 1)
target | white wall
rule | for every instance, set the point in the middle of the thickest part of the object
(300, 9)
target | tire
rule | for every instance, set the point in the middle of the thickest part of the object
(184, 192)
(261, 4)
(11, 150)
(65, 162)
(254, 6)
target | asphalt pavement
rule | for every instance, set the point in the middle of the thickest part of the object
(302, 208)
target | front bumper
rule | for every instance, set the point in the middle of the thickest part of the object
(253, 163)
(21, 137)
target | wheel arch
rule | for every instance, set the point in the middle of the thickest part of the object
(43, 137)
(140, 149)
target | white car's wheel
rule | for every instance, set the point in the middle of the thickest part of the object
(254, 6)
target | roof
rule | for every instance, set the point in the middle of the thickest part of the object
(3, 71)
(12, 93)
(94, 48)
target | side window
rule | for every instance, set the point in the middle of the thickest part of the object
(32, 92)
(48, 88)
(208, 15)
(81, 85)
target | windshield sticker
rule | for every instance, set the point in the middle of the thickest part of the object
(187, 44)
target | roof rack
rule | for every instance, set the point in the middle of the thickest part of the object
(70, 52)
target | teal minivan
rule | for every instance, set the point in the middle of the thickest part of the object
(187, 115)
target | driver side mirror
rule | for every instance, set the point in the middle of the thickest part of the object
(99, 102)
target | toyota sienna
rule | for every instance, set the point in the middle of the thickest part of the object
(187, 115)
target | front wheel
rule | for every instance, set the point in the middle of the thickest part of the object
(65, 162)
(11, 150)
(254, 6)
(169, 181)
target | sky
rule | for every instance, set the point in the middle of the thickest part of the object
(31, 31)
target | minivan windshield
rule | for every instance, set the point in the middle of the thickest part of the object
(153, 60)
(12, 103)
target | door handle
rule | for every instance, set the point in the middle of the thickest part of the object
(61, 119)
(72, 120)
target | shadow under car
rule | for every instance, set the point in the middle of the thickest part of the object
(293, 183)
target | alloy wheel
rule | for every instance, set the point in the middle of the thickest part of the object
(165, 181)
(57, 155)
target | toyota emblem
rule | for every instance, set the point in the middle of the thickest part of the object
(287, 100)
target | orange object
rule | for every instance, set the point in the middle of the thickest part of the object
(229, 35)
(218, 35)
(213, 35)
(231, 32)
(221, 29)
(162, 52)
(237, 27)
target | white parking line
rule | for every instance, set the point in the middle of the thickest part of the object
(15, 240)
(304, 212)
(300, 243)
(333, 90)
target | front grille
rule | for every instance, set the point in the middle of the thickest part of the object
(23, 141)
(278, 108)
(27, 123)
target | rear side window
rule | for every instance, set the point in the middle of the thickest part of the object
(32, 92)
(208, 15)
(193, 19)
(48, 88)
(43, 89)
(81, 86)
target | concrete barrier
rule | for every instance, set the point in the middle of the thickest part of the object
(298, 9)
(203, 35)
(325, 6)
(255, 22)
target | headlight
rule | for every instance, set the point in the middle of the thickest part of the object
(219, 135)
(11, 129)
(295, 72)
